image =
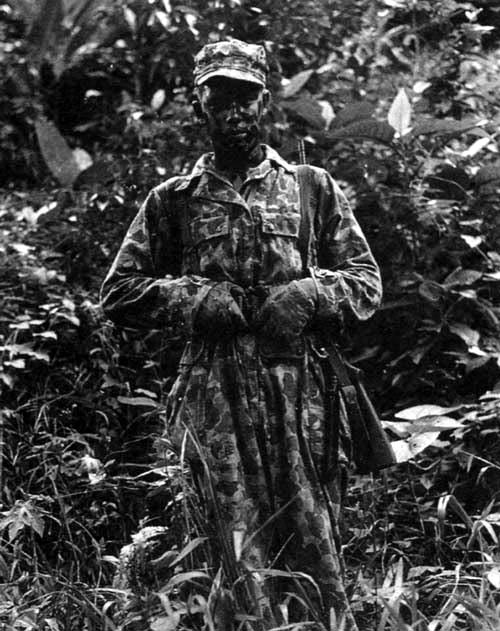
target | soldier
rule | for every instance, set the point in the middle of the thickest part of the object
(218, 255)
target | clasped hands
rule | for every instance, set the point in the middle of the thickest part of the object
(286, 311)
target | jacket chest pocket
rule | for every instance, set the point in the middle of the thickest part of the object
(209, 242)
(280, 242)
(276, 224)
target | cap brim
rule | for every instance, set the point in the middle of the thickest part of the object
(231, 73)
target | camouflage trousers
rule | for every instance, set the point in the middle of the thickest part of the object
(257, 422)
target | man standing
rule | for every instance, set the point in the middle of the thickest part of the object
(219, 257)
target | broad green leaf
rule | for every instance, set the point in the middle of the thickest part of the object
(399, 116)
(400, 428)
(46, 335)
(169, 561)
(238, 537)
(166, 559)
(472, 241)
(184, 577)
(327, 112)
(464, 332)
(462, 277)
(91, 93)
(421, 411)
(163, 19)
(7, 380)
(130, 18)
(408, 448)
(448, 127)
(477, 146)
(17, 364)
(158, 99)
(82, 159)
(494, 577)
(191, 20)
(436, 424)
(494, 518)
(306, 108)
(426, 424)
(492, 276)
(371, 129)
(296, 83)
(421, 86)
(57, 154)
(22, 248)
(23, 514)
(141, 401)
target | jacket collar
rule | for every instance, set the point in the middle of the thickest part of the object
(205, 167)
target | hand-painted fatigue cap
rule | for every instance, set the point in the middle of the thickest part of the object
(233, 59)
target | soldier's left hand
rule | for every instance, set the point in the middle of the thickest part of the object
(288, 310)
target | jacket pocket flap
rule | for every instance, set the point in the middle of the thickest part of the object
(279, 224)
(204, 228)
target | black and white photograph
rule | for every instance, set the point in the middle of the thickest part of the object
(249, 315)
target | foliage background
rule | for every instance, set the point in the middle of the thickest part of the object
(398, 99)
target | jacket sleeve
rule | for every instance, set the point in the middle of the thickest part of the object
(144, 288)
(347, 276)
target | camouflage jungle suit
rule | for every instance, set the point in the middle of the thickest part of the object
(256, 406)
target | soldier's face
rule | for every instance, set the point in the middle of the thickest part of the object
(233, 111)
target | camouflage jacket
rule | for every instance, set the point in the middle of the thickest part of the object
(261, 420)
(193, 231)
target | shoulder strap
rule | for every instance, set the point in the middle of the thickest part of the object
(305, 178)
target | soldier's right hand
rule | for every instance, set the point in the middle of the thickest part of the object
(219, 313)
